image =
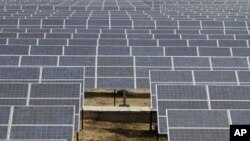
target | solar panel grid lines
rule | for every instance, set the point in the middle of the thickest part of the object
(198, 76)
(195, 116)
(49, 117)
(211, 94)
(220, 132)
(213, 31)
(45, 94)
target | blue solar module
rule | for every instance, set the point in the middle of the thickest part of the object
(63, 73)
(43, 115)
(19, 73)
(39, 60)
(41, 121)
(13, 90)
(36, 132)
(3, 132)
(9, 60)
(205, 134)
(193, 56)
(5, 114)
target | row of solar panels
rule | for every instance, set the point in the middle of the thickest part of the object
(187, 102)
(229, 35)
(37, 122)
(52, 94)
(195, 78)
(201, 107)
(126, 42)
(206, 125)
(120, 23)
(81, 51)
(128, 18)
(48, 111)
(112, 5)
(173, 10)
(168, 14)
(173, 62)
(211, 31)
(120, 77)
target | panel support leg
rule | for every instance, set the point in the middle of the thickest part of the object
(82, 119)
(150, 120)
(77, 136)
(114, 97)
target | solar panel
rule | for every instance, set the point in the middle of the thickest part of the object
(36, 122)
(77, 61)
(194, 78)
(14, 49)
(215, 76)
(45, 50)
(181, 92)
(115, 83)
(13, 90)
(34, 132)
(147, 51)
(39, 60)
(3, 132)
(191, 62)
(199, 97)
(79, 50)
(240, 117)
(19, 73)
(181, 51)
(61, 73)
(117, 46)
(42, 115)
(197, 125)
(193, 134)
(5, 113)
(115, 72)
(197, 118)
(43, 95)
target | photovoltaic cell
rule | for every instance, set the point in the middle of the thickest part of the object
(229, 92)
(240, 117)
(197, 118)
(41, 132)
(63, 73)
(115, 72)
(43, 115)
(5, 114)
(19, 73)
(198, 134)
(55, 90)
(13, 90)
(115, 83)
(181, 92)
(3, 132)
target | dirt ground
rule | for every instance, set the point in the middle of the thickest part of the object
(108, 101)
(114, 131)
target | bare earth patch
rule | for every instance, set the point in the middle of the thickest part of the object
(116, 131)
(108, 101)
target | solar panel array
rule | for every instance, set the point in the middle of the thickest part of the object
(51, 50)
(29, 122)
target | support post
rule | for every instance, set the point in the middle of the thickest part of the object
(114, 97)
(82, 118)
(124, 99)
(77, 136)
(150, 120)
